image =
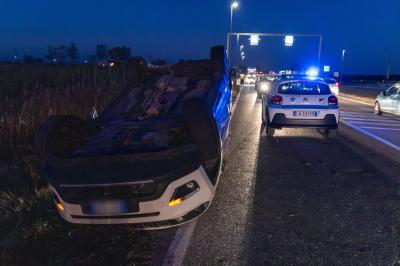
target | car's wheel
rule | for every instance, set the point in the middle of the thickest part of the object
(331, 133)
(377, 109)
(217, 55)
(263, 114)
(203, 129)
(61, 135)
(269, 131)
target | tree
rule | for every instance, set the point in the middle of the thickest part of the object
(51, 53)
(72, 52)
(160, 62)
(28, 59)
(120, 54)
(61, 54)
(101, 51)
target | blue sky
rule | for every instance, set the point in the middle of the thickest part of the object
(369, 29)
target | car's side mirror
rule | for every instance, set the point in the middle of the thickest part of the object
(384, 93)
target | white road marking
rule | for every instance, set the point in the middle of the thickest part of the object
(349, 99)
(365, 119)
(382, 128)
(235, 104)
(373, 136)
(177, 250)
(380, 123)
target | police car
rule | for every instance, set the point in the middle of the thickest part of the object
(300, 103)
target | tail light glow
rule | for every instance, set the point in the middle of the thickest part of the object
(276, 99)
(332, 101)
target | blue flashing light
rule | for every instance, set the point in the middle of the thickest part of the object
(312, 72)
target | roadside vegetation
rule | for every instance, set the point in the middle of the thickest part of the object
(31, 231)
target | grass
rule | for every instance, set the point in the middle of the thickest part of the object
(29, 94)
(31, 231)
(366, 95)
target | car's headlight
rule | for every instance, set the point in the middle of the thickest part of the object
(264, 88)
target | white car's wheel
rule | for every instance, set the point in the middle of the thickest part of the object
(331, 133)
(377, 109)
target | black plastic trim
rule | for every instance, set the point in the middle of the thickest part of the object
(141, 215)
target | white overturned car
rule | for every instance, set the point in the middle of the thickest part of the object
(152, 158)
(300, 103)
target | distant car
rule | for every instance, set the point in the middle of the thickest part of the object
(250, 78)
(388, 100)
(152, 158)
(300, 103)
(333, 84)
(263, 85)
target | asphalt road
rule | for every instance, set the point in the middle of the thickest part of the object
(386, 126)
(295, 199)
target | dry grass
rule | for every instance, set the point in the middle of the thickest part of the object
(29, 94)
(31, 231)
(367, 95)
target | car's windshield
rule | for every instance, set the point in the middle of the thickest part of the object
(330, 81)
(304, 88)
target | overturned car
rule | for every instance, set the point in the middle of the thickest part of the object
(152, 158)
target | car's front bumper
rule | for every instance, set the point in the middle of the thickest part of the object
(152, 214)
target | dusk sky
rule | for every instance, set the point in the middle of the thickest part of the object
(368, 29)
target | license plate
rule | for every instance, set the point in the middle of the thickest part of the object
(107, 207)
(305, 113)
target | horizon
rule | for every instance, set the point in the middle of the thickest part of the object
(174, 30)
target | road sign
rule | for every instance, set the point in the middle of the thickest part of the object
(254, 39)
(336, 74)
(327, 69)
(289, 39)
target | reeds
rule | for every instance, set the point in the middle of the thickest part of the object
(29, 94)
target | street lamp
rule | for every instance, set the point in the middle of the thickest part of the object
(343, 54)
(234, 5)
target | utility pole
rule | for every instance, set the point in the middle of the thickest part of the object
(388, 67)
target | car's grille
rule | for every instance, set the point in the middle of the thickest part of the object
(126, 191)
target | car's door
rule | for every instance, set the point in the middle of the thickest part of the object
(396, 100)
(387, 103)
(222, 109)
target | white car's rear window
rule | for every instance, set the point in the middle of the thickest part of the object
(304, 88)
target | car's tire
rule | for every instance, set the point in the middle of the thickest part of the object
(263, 121)
(203, 129)
(269, 131)
(217, 56)
(377, 108)
(60, 135)
(331, 133)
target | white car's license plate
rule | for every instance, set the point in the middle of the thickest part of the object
(108, 207)
(305, 113)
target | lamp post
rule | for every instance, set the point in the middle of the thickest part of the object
(234, 5)
(343, 54)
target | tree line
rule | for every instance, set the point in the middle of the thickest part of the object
(69, 54)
